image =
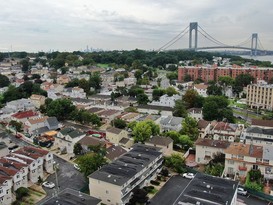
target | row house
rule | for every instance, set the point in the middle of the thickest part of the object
(241, 158)
(225, 131)
(6, 189)
(206, 149)
(169, 123)
(257, 136)
(204, 128)
(114, 182)
(155, 109)
(37, 100)
(166, 100)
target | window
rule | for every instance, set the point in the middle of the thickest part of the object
(230, 161)
(33, 171)
(255, 167)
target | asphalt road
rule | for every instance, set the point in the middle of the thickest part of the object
(68, 177)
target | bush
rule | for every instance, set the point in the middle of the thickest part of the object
(21, 192)
(156, 183)
(165, 172)
(149, 189)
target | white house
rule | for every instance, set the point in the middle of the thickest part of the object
(165, 100)
(201, 89)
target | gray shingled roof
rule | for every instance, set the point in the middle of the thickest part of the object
(52, 121)
(163, 141)
(259, 130)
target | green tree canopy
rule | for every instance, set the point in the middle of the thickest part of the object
(214, 89)
(89, 163)
(60, 108)
(95, 81)
(142, 131)
(179, 109)
(4, 81)
(157, 93)
(119, 123)
(190, 98)
(170, 91)
(190, 128)
(176, 162)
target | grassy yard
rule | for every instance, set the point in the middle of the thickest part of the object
(235, 104)
(102, 65)
(250, 115)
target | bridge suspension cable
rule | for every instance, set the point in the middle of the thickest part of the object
(260, 44)
(174, 40)
(244, 42)
(212, 38)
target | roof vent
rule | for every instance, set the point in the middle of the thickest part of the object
(198, 203)
(109, 175)
(208, 186)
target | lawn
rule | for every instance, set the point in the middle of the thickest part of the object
(235, 104)
(250, 115)
(102, 65)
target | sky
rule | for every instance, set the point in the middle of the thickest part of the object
(68, 25)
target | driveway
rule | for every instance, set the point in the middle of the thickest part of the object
(68, 177)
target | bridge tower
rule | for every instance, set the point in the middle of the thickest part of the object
(254, 44)
(193, 26)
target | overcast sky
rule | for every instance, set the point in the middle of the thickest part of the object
(35, 25)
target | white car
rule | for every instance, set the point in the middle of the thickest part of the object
(76, 166)
(188, 175)
(48, 184)
(241, 191)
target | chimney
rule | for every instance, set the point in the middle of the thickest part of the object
(251, 149)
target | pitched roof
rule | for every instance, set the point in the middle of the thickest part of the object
(4, 178)
(245, 150)
(26, 114)
(114, 152)
(259, 130)
(203, 124)
(201, 86)
(212, 143)
(89, 140)
(163, 141)
(264, 123)
(195, 110)
(124, 140)
(37, 120)
(73, 133)
(225, 126)
(114, 130)
(155, 107)
(52, 121)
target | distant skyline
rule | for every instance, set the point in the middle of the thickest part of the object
(68, 25)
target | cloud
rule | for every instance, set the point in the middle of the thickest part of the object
(122, 24)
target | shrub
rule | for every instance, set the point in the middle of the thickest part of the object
(156, 183)
(21, 192)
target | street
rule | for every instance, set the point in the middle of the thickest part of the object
(68, 177)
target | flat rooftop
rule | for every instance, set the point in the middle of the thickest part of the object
(128, 165)
(72, 197)
(208, 190)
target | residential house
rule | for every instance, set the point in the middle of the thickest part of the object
(164, 143)
(114, 152)
(15, 174)
(195, 113)
(63, 79)
(201, 89)
(129, 116)
(226, 131)
(117, 136)
(126, 101)
(207, 148)
(108, 115)
(257, 135)
(75, 92)
(114, 182)
(37, 100)
(23, 116)
(6, 189)
(241, 158)
(262, 123)
(165, 100)
(87, 141)
(99, 99)
(204, 128)
(155, 109)
(40, 125)
(20, 105)
(67, 138)
(168, 123)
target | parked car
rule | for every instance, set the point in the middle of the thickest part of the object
(241, 191)
(50, 185)
(188, 175)
(76, 166)
(13, 147)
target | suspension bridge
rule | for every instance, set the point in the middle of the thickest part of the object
(252, 43)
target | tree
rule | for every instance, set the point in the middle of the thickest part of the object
(172, 76)
(215, 169)
(170, 91)
(187, 78)
(182, 141)
(84, 84)
(190, 98)
(21, 192)
(98, 149)
(90, 162)
(190, 128)
(242, 81)
(142, 99)
(142, 131)
(60, 108)
(138, 74)
(157, 93)
(154, 127)
(176, 162)
(214, 89)
(77, 149)
(84, 117)
(226, 81)
(216, 108)
(4, 81)
(95, 81)
(179, 109)
(119, 123)
(139, 197)
(17, 125)
(25, 65)
(11, 94)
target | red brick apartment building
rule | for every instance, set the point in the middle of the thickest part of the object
(214, 72)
